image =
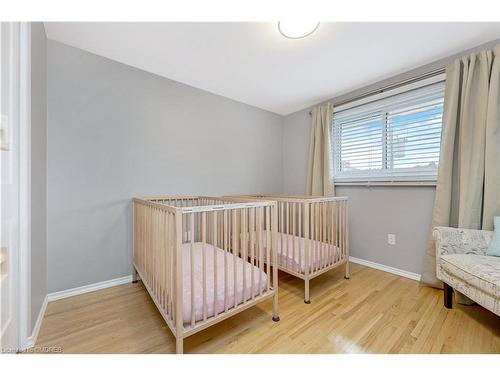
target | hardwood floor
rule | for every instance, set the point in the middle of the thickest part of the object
(373, 312)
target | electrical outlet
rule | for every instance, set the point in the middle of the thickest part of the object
(391, 239)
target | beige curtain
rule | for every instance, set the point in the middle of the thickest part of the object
(468, 186)
(320, 169)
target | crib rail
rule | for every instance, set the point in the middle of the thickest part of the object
(204, 259)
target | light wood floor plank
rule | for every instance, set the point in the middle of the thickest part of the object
(373, 312)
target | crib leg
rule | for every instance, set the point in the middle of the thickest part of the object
(179, 345)
(306, 292)
(135, 275)
(347, 271)
(276, 312)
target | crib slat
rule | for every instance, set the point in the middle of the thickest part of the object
(167, 264)
(311, 234)
(334, 230)
(251, 230)
(314, 228)
(345, 231)
(153, 250)
(243, 233)
(287, 233)
(193, 307)
(301, 241)
(318, 239)
(151, 246)
(172, 257)
(214, 232)
(281, 232)
(338, 231)
(323, 240)
(157, 260)
(347, 237)
(274, 228)
(179, 324)
(163, 263)
(259, 246)
(318, 231)
(226, 249)
(342, 246)
(324, 258)
(204, 262)
(269, 244)
(307, 236)
(294, 233)
(235, 277)
(330, 233)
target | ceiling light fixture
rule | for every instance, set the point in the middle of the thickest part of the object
(297, 29)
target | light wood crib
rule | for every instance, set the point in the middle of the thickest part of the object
(204, 259)
(313, 235)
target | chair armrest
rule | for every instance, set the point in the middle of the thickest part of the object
(461, 241)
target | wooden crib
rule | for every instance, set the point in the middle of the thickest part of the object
(313, 235)
(204, 259)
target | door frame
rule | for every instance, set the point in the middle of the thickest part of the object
(24, 185)
(20, 120)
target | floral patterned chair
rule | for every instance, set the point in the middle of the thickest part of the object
(462, 264)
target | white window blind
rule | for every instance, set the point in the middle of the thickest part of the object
(396, 138)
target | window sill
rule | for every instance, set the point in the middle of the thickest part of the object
(385, 183)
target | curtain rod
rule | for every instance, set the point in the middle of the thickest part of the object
(419, 77)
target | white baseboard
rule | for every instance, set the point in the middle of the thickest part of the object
(54, 296)
(31, 340)
(383, 267)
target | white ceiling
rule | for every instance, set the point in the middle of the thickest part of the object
(254, 64)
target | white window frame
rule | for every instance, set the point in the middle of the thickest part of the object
(386, 177)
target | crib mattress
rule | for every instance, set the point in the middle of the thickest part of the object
(321, 253)
(215, 298)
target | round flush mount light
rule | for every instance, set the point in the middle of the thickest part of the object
(297, 29)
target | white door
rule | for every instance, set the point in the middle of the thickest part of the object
(9, 188)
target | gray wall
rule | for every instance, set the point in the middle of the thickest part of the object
(115, 132)
(38, 169)
(374, 211)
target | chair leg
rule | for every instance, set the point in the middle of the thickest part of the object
(448, 296)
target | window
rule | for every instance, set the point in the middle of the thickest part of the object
(392, 136)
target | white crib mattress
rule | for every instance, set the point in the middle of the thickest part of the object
(218, 297)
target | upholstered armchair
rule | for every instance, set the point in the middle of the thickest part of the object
(462, 264)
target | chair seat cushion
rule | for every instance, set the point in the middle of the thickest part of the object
(480, 271)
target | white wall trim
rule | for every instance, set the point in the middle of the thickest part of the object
(31, 340)
(54, 296)
(383, 267)
(24, 182)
